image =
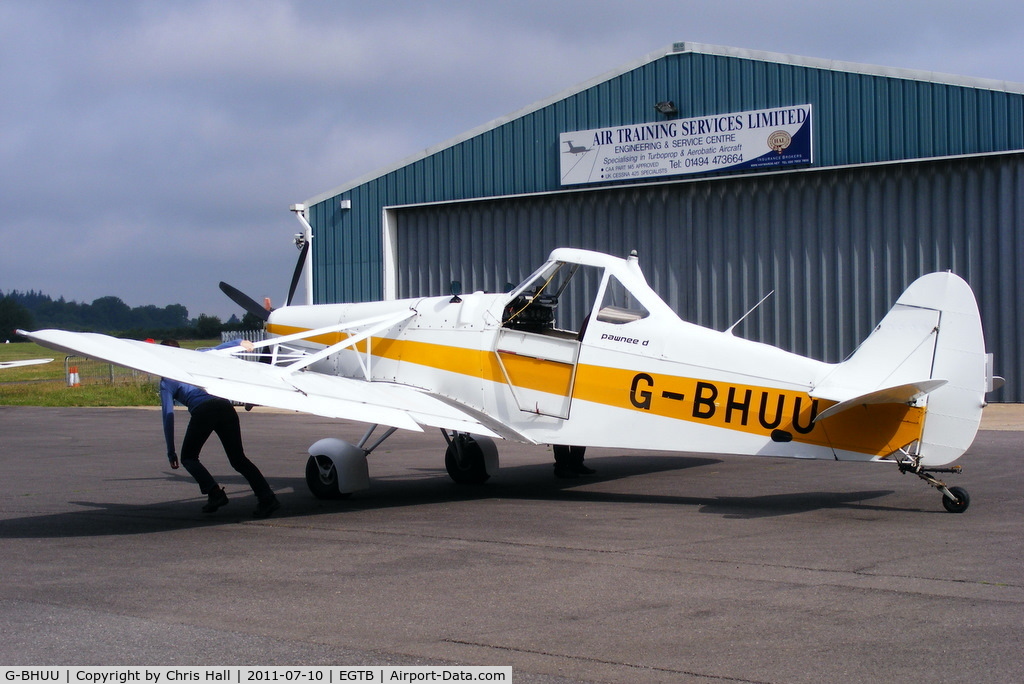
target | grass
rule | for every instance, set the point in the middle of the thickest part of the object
(46, 384)
(58, 394)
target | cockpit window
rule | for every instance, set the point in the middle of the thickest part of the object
(558, 299)
(619, 305)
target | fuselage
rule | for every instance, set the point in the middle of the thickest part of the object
(631, 375)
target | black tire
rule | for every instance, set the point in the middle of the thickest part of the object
(468, 467)
(962, 502)
(322, 483)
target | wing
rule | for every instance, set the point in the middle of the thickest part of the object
(224, 375)
(25, 362)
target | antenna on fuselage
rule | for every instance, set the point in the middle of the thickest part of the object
(729, 330)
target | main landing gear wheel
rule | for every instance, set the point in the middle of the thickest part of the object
(963, 500)
(464, 461)
(322, 478)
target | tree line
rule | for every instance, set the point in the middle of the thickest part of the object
(34, 310)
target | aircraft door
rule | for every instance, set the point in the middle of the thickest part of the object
(540, 370)
(539, 344)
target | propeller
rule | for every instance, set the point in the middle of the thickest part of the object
(245, 301)
(298, 271)
(302, 241)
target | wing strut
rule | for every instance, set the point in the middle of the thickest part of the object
(352, 340)
(376, 323)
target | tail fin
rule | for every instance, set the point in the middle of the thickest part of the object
(928, 349)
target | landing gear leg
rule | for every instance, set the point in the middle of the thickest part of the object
(954, 499)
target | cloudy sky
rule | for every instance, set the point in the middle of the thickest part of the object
(149, 149)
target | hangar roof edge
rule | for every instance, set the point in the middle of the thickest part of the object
(851, 67)
(676, 48)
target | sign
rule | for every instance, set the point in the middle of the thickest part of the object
(761, 139)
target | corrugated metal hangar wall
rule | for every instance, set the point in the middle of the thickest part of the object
(836, 246)
(909, 176)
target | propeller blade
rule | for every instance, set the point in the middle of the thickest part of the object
(298, 273)
(245, 301)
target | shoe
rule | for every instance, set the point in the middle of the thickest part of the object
(266, 507)
(215, 500)
(565, 472)
(581, 469)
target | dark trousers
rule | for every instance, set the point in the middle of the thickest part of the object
(569, 455)
(218, 415)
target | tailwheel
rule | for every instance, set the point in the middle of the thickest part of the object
(954, 499)
(963, 500)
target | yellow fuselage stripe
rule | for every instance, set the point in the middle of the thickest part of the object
(877, 430)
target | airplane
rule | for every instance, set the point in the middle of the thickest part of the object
(576, 149)
(585, 353)
(23, 362)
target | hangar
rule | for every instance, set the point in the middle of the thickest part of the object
(733, 173)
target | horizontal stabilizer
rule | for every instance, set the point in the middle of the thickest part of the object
(900, 394)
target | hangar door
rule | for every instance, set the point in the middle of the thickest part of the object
(837, 246)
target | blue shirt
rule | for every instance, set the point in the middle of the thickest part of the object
(188, 395)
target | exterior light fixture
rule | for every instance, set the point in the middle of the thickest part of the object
(667, 107)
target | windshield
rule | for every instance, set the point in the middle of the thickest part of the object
(560, 296)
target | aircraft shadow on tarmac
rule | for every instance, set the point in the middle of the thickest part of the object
(429, 486)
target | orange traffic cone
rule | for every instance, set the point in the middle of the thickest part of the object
(73, 380)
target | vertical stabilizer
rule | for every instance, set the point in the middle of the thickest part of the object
(954, 410)
(928, 350)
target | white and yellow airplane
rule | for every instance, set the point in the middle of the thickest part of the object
(629, 373)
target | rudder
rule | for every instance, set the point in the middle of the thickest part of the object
(953, 410)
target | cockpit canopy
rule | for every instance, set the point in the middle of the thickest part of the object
(574, 285)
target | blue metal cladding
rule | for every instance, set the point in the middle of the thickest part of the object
(859, 117)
